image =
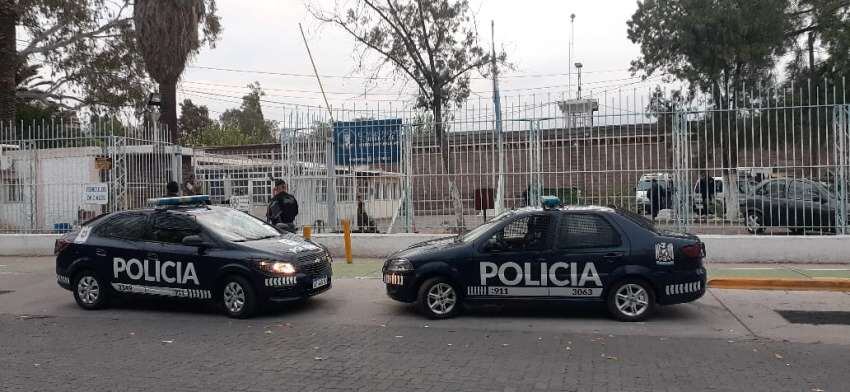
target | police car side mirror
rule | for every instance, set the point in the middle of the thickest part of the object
(195, 240)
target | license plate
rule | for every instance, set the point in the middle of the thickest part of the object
(319, 282)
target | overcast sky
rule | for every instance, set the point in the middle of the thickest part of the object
(263, 35)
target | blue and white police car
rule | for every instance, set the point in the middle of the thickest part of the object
(184, 248)
(553, 253)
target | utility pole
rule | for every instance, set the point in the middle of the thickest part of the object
(570, 53)
(497, 104)
(330, 153)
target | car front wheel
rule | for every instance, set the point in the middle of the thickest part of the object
(90, 292)
(631, 300)
(438, 299)
(238, 297)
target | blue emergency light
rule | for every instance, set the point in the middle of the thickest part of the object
(180, 201)
(550, 202)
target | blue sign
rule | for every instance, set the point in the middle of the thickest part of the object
(367, 141)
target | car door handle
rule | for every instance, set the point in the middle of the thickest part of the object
(152, 256)
(100, 252)
(612, 256)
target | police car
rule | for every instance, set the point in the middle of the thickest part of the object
(184, 248)
(553, 253)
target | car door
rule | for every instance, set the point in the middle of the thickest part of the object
(174, 268)
(116, 245)
(770, 199)
(509, 263)
(805, 204)
(588, 249)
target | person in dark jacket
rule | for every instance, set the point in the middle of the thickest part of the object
(172, 189)
(283, 207)
(655, 195)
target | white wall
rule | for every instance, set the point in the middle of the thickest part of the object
(719, 249)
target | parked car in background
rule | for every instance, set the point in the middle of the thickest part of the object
(797, 204)
(642, 189)
(718, 196)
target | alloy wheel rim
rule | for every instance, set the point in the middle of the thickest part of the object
(234, 297)
(442, 298)
(88, 290)
(632, 300)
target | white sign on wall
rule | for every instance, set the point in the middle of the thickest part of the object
(97, 193)
(241, 203)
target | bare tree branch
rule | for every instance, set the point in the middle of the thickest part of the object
(398, 27)
(77, 37)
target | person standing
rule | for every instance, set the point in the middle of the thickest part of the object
(172, 189)
(654, 194)
(283, 207)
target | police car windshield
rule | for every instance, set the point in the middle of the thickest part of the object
(480, 230)
(234, 225)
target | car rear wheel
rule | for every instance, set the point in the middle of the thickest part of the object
(237, 297)
(631, 300)
(755, 222)
(90, 292)
(438, 299)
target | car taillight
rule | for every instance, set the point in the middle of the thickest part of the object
(693, 251)
(60, 245)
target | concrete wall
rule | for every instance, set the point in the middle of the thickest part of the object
(719, 248)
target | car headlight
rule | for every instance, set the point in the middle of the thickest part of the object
(277, 267)
(399, 265)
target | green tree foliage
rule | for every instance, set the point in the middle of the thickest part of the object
(239, 126)
(167, 33)
(714, 45)
(249, 117)
(432, 43)
(193, 119)
(72, 54)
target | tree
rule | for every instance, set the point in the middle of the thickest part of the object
(193, 119)
(73, 54)
(167, 33)
(716, 46)
(249, 117)
(431, 43)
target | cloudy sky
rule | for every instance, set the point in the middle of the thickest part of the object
(263, 35)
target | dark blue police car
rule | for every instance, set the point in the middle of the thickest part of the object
(184, 248)
(553, 253)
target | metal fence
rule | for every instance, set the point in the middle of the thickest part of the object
(770, 160)
(55, 175)
(767, 160)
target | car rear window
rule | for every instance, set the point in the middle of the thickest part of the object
(128, 226)
(581, 231)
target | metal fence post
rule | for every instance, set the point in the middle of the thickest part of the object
(841, 126)
(681, 166)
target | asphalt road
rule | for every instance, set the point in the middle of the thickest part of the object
(353, 338)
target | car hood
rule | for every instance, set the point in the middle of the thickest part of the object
(287, 246)
(429, 248)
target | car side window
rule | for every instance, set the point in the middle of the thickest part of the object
(128, 226)
(172, 228)
(774, 189)
(583, 231)
(522, 234)
(802, 191)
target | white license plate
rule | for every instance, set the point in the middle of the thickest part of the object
(319, 282)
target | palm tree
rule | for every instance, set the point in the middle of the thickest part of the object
(167, 34)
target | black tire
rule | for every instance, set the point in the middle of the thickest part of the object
(754, 222)
(621, 308)
(90, 291)
(237, 296)
(438, 298)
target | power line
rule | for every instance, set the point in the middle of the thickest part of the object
(300, 75)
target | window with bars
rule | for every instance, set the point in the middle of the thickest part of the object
(12, 190)
(583, 231)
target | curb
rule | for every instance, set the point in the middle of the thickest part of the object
(816, 284)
